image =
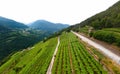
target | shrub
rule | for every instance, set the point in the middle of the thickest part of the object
(107, 36)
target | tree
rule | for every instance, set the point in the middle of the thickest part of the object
(96, 24)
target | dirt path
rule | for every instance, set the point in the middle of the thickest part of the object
(104, 50)
(49, 71)
(111, 47)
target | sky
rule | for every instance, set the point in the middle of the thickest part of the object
(56, 11)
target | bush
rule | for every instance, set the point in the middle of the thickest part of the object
(91, 34)
(107, 36)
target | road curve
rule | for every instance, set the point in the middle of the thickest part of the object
(105, 51)
(49, 70)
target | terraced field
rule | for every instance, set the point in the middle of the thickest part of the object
(73, 58)
(32, 60)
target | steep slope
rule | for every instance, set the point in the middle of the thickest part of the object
(15, 36)
(73, 57)
(47, 26)
(106, 19)
(31, 60)
(104, 26)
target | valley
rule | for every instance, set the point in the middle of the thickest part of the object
(43, 47)
(72, 57)
(16, 36)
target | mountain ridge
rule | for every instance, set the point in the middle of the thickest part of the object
(47, 26)
(15, 36)
(105, 19)
(11, 24)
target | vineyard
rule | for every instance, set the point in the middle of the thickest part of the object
(33, 60)
(73, 58)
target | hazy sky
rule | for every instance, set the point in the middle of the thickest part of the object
(57, 11)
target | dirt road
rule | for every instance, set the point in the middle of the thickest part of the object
(49, 71)
(105, 51)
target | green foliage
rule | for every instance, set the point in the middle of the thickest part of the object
(110, 35)
(106, 19)
(96, 24)
(15, 40)
(112, 29)
(104, 36)
(84, 30)
(82, 61)
(31, 60)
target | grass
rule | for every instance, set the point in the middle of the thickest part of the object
(32, 60)
(112, 29)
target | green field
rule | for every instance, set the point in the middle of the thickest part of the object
(73, 58)
(33, 60)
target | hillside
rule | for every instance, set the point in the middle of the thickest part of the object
(106, 19)
(3, 29)
(73, 57)
(104, 26)
(11, 24)
(55, 48)
(13, 41)
(15, 36)
(42, 53)
(37, 56)
(47, 26)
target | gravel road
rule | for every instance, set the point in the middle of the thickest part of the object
(105, 51)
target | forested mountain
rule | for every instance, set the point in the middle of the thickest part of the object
(104, 26)
(63, 52)
(46, 26)
(3, 29)
(11, 24)
(15, 36)
(106, 19)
